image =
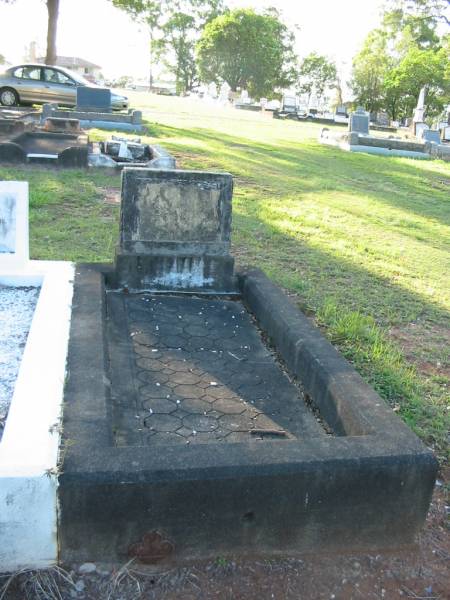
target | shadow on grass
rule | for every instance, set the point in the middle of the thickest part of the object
(311, 166)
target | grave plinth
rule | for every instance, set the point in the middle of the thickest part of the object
(175, 231)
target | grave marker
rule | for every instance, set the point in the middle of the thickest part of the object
(175, 230)
(359, 122)
(14, 248)
(93, 99)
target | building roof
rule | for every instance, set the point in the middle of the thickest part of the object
(72, 62)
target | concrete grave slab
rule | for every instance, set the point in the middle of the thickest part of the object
(138, 482)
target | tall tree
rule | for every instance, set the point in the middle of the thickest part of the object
(174, 27)
(52, 28)
(316, 73)
(180, 32)
(370, 67)
(247, 50)
(148, 13)
(53, 12)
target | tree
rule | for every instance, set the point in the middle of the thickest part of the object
(147, 12)
(316, 73)
(370, 67)
(247, 50)
(181, 29)
(417, 69)
(174, 27)
(53, 11)
(401, 57)
(52, 27)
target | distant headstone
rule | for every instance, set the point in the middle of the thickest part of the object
(175, 230)
(341, 110)
(93, 99)
(13, 224)
(359, 121)
(382, 119)
(431, 135)
(419, 129)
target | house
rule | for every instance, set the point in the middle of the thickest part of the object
(83, 67)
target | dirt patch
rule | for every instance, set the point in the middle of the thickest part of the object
(111, 196)
(425, 344)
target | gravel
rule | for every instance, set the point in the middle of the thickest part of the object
(17, 306)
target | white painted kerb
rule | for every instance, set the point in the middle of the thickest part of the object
(29, 447)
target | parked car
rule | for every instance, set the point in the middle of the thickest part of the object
(39, 84)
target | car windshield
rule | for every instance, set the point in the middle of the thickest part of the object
(78, 78)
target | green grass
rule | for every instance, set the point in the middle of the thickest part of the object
(362, 242)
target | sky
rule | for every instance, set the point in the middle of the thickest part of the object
(98, 32)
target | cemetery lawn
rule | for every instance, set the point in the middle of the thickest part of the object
(361, 242)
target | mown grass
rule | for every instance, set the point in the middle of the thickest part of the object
(361, 241)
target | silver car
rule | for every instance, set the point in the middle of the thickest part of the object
(39, 84)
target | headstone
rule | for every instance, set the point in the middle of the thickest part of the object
(419, 129)
(341, 110)
(224, 93)
(446, 134)
(175, 231)
(14, 248)
(212, 90)
(419, 112)
(359, 122)
(93, 99)
(382, 119)
(431, 135)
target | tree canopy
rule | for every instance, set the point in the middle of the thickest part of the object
(247, 50)
(403, 55)
(316, 73)
(174, 27)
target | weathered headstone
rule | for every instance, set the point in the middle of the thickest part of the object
(13, 224)
(359, 121)
(431, 135)
(175, 231)
(93, 99)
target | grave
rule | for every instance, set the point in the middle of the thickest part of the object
(206, 416)
(33, 394)
(359, 122)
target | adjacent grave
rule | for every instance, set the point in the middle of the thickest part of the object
(186, 437)
(29, 445)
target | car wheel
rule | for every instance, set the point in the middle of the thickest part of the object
(8, 97)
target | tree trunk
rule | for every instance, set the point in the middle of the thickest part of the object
(53, 9)
(150, 70)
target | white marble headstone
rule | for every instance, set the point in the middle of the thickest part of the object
(14, 245)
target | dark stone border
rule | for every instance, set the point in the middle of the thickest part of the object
(367, 488)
